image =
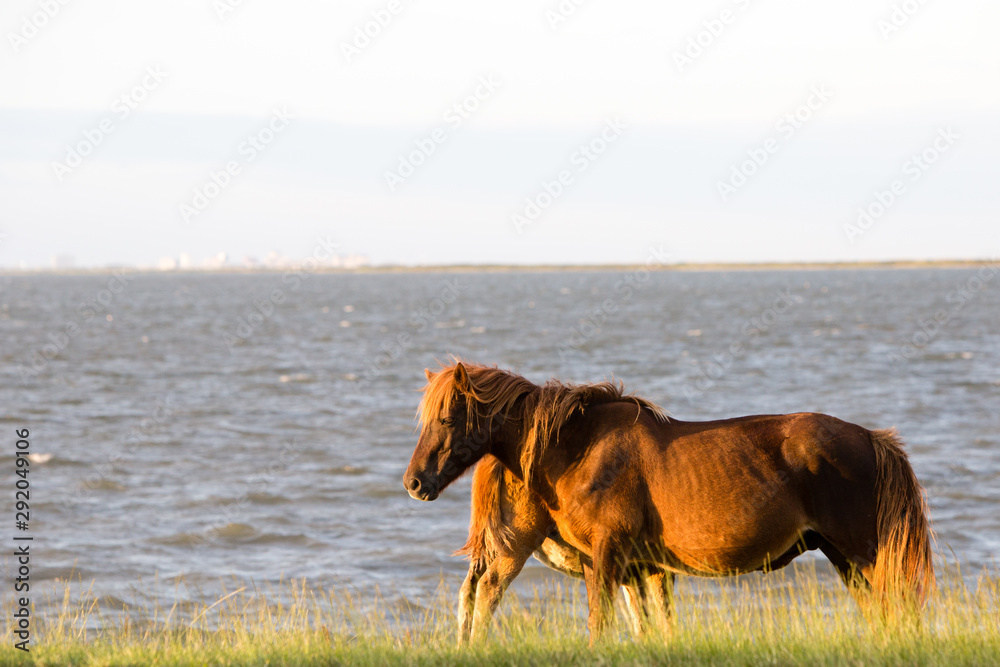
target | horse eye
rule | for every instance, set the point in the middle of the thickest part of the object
(447, 421)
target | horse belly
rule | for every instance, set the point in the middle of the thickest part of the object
(555, 553)
(740, 540)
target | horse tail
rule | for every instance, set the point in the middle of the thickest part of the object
(903, 565)
(488, 534)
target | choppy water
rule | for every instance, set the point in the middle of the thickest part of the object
(194, 440)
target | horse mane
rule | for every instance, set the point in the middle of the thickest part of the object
(545, 409)
(488, 533)
(491, 388)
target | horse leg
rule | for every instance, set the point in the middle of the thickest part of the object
(467, 602)
(647, 598)
(850, 573)
(857, 569)
(635, 604)
(603, 578)
(659, 586)
(492, 584)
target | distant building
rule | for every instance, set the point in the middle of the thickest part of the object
(275, 260)
(63, 262)
(354, 261)
(217, 261)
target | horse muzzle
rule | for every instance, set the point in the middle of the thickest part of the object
(419, 489)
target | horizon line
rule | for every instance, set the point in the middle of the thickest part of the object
(497, 268)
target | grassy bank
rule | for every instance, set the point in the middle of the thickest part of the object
(779, 619)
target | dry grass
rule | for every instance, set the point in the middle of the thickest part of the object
(793, 618)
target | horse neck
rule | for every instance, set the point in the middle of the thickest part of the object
(507, 442)
(508, 445)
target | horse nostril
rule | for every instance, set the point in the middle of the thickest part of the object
(413, 484)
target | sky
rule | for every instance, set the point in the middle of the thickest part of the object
(440, 132)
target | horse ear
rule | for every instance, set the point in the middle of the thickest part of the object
(461, 378)
(429, 374)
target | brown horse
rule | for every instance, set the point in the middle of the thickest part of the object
(625, 484)
(509, 523)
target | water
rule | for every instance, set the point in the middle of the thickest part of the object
(197, 437)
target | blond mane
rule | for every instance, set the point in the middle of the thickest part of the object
(489, 535)
(545, 408)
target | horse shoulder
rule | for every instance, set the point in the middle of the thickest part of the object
(605, 484)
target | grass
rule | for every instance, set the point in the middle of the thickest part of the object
(784, 618)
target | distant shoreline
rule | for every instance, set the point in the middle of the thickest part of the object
(527, 268)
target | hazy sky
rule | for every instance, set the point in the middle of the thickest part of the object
(442, 132)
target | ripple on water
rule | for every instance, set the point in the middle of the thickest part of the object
(263, 498)
(383, 491)
(104, 485)
(235, 533)
(180, 539)
(112, 602)
(344, 470)
(296, 377)
(60, 573)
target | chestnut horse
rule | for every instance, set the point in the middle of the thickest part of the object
(625, 484)
(509, 522)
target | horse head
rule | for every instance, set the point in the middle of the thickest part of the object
(453, 434)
